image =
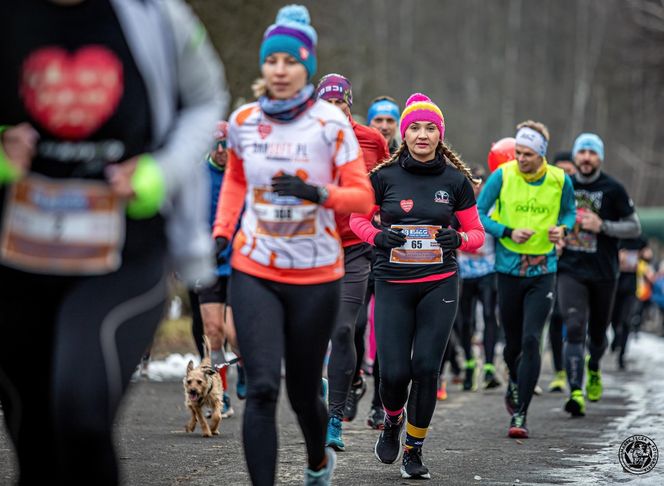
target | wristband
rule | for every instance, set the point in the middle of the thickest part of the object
(8, 172)
(507, 232)
(149, 189)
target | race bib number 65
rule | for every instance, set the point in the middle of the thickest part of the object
(420, 248)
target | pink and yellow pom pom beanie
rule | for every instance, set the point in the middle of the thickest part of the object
(420, 108)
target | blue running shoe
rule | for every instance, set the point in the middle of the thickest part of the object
(334, 439)
(226, 409)
(324, 476)
(241, 385)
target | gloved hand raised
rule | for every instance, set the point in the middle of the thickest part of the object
(290, 185)
(389, 238)
(448, 238)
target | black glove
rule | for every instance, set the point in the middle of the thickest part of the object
(448, 238)
(220, 244)
(389, 238)
(290, 185)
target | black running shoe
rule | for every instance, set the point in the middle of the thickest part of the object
(357, 391)
(388, 444)
(376, 418)
(518, 429)
(469, 378)
(412, 467)
(511, 397)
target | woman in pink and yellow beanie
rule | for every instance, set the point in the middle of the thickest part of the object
(418, 193)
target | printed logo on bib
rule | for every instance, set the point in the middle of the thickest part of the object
(441, 197)
(406, 205)
(62, 227)
(72, 95)
(420, 248)
(283, 216)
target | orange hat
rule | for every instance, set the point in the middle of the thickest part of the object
(502, 151)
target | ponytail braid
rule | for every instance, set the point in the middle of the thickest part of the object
(391, 160)
(443, 150)
(456, 161)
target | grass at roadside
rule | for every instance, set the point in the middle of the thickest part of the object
(173, 336)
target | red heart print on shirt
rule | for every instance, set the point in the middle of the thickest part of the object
(264, 130)
(406, 205)
(72, 94)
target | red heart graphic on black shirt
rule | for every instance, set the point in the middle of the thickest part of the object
(406, 205)
(72, 94)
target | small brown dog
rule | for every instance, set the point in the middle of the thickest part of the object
(202, 388)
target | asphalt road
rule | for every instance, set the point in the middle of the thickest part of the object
(467, 442)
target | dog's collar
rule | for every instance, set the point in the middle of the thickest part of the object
(202, 397)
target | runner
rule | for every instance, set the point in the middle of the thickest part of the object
(99, 133)
(215, 312)
(625, 300)
(478, 283)
(383, 115)
(418, 191)
(345, 386)
(563, 160)
(589, 267)
(285, 152)
(534, 203)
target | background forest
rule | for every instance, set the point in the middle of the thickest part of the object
(576, 65)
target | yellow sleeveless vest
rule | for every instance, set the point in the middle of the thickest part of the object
(522, 205)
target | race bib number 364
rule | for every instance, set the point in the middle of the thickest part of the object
(283, 216)
(62, 227)
(420, 247)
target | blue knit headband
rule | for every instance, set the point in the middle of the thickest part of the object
(383, 107)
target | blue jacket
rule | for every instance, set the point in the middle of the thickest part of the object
(216, 181)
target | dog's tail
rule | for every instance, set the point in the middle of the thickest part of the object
(207, 347)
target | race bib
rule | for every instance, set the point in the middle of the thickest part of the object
(420, 248)
(580, 240)
(62, 227)
(283, 216)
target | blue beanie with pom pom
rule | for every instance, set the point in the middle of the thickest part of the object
(293, 34)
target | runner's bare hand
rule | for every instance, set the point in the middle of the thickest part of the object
(521, 235)
(119, 177)
(556, 234)
(591, 222)
(20, 143)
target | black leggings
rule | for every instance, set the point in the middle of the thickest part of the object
(343, 357)
(197, 330)
(66, 360)
(484, 290)
(586, 306)
(525, 304)
(556, 336)
(276, 321)
(413, 325)
(623, 310)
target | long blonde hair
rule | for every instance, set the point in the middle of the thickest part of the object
(259, 87)
(443, 150)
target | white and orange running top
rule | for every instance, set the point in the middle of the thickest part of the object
(284, 238)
